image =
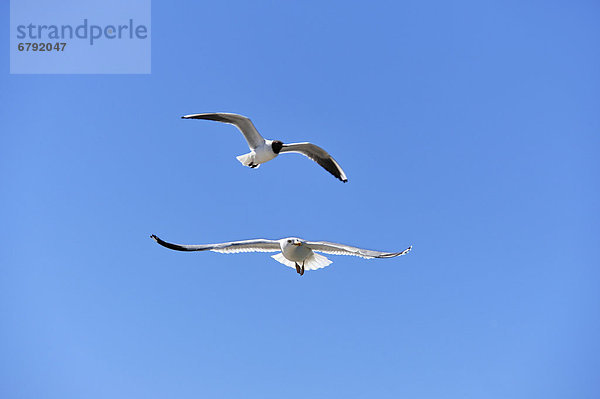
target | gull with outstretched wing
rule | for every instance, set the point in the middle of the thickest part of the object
(293, 251)
(262, 150)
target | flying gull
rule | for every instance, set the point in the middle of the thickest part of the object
(295, 252)
(264, 150)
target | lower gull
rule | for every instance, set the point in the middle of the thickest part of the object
(293, 252)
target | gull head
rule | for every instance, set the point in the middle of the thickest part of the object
(293, 241)
(276, 145)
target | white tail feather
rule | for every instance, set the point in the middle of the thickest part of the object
(281, 259)
(313, 262)
(316, 261)
(246, 159)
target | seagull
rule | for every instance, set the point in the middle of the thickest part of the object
(264, 150)
(295, 252)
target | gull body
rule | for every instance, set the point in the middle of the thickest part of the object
(293, 251)
(264, 153)
(262, 150)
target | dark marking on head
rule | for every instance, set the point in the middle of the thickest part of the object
(276, 146)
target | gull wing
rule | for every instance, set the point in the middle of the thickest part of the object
(318, 155)
(341, 249)
(258, 245)
(243, 124)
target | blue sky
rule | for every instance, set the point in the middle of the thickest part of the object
(469, 130)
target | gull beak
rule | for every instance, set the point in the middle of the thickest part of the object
(297, 244)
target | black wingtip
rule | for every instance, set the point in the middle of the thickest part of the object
(155, 238)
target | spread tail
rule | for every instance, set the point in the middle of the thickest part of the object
(313, 262)
(316, 261)
(247, 160)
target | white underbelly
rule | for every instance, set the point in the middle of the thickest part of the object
(297, 253)
(263, 154)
